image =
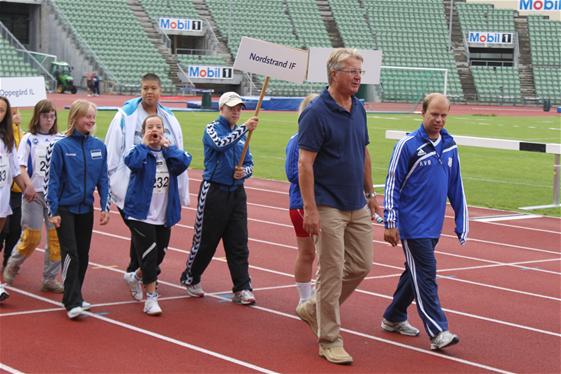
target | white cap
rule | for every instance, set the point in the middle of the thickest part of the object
(230, 99)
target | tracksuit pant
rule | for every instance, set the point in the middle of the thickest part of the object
(221, 214)
(133, 260)
(418, 282)
(74, 234)
(12, 230)
(344, 248)
(34, 215)
(150, 242)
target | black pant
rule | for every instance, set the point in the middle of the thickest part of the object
(9, 236)
(221, 214)
(150, 242)
(133, 261)
(74, 235)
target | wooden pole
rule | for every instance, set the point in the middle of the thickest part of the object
(257, 108)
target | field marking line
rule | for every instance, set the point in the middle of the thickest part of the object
(9, 369)
(509, 217)
(524, 228)
(156, 335)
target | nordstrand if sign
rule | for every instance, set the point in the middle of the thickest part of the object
(317, 65)
(273, 60)
(23, 91)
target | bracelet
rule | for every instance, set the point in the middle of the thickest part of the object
(370, 195)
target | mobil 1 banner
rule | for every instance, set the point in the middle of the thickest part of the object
(490, 38)
(209, 72)
(180, 26)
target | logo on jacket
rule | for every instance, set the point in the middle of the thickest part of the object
(421, 153)
(96, 154)
(449, 162)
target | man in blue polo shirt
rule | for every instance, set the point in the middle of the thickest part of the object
(339, 202)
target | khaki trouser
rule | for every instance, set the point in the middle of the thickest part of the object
(344, 248)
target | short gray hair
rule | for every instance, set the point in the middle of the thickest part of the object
(336, 58)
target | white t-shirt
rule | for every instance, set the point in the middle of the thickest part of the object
(32, 154)
(8, 170)
(140, 118)
(158, 205)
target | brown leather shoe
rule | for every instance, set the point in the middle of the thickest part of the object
(302, 310)
(336, 355)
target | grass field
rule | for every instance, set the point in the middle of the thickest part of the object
(492, 178)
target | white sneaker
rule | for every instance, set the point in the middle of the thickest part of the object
(404, 328)
(74, 312)
(86, 305)
(135, 285)
(444, 339)
(244, 297)
(195, 290)
(3, 293)
(151, 306)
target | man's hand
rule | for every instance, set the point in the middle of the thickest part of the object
(238, 172)
(375, 208)
(311, 221)
(55, 220)
(251, 123)
(392, 236)
(104, 218)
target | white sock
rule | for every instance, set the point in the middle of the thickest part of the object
(305, 290)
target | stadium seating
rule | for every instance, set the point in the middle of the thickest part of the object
(350, 17)
(546, 57)
(12, 64)
(122, 46)
(484, 17)
(497, 84)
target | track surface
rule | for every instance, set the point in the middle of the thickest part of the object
(501, 293)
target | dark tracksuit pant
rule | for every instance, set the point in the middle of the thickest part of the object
(74, 235)
(418, 282)
(150, 242)
(221, 214)
(133, 261)
(9, 237)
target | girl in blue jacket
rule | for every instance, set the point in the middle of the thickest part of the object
(152, 203)
(77, 166)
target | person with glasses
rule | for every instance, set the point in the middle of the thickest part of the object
(335, 180)
(222, 206)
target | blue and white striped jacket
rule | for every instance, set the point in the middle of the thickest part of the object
(421, 175)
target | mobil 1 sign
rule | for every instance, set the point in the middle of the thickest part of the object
(209, 72)
(23, 91)
(371, 64)
(272, 60)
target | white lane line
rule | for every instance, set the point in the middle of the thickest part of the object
(252, 188)
(155, 335)
(9, 369)
(524, 228)
(509, 217)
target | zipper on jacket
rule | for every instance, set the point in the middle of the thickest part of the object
(85, 172)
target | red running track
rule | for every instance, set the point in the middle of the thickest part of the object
(501, 293)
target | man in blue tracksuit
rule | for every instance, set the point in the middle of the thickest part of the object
(424, 170)
(222, 206)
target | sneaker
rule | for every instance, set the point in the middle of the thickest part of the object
(135, 285)
(52, 285)
(302, 310)
(74, 312)
(244, 297)
(3, 293)
(195, 290)
(444, 339)
(86, 306)
(404, 328)
(151, 306)
(336, 355)
(10, 272)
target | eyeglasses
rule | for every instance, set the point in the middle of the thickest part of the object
(47, 116)
(353, 72)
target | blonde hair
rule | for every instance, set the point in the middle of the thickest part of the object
(307, 100)
(78, 109)
(336, 58)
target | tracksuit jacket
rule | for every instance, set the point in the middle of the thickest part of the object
(78, 164)
(420, 177)
(223, 148)
(142, 163)
(120, 140)
(291, 170)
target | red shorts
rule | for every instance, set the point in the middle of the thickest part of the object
(297, 218)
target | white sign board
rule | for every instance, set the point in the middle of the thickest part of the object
(273, 60)
(23, 91)
(317, 70)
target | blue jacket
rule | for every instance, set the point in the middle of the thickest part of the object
(78, 164)
(223, 148)
(142, 163)
(291, 169)
(420, 177)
